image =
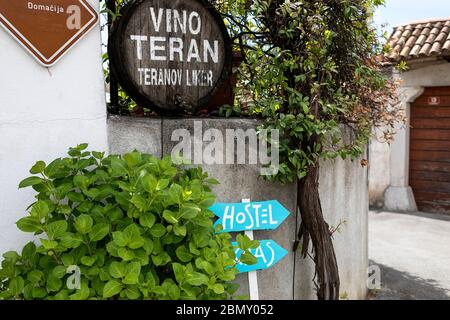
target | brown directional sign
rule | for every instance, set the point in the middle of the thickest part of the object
(47, 28)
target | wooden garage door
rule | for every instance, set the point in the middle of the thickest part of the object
(430, 150)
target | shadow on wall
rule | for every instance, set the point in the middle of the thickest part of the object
(398, 285)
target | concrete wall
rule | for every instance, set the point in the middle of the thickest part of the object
(343, 191)
(389, 165)
(43, 112)
(343, 187)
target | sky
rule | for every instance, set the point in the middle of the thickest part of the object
(396, 12)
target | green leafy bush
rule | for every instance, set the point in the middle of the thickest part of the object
(134, 226)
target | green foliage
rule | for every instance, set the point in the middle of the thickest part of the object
(137, 227)
(125, 103)
(314, 71)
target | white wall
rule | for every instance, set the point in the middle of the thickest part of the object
(43, 112)
(379, 170)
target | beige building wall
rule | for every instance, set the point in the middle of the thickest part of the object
(389, 164)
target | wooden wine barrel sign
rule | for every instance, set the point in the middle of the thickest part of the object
(170, 55)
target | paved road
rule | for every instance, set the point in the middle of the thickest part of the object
(413, 252)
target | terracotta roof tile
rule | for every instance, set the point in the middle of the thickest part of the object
(407, 33)
(411, 42)
(435, 31)
(443, 35)
(424, 51)
(430, 38)
(420, 39)
(405, 52)
(417, 32)
(446, 45)
(426, 31)
(436, 48)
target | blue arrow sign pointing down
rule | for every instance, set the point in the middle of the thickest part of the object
(268, 254)
(235, 217)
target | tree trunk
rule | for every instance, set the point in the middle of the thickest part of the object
(313, 227)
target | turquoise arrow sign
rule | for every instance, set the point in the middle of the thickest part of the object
(235, 217)
(268, 254)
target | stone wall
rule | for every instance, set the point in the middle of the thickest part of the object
(343, 188)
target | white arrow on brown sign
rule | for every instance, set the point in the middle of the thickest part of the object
(47, 29)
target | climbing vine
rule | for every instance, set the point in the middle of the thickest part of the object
(314, 70)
